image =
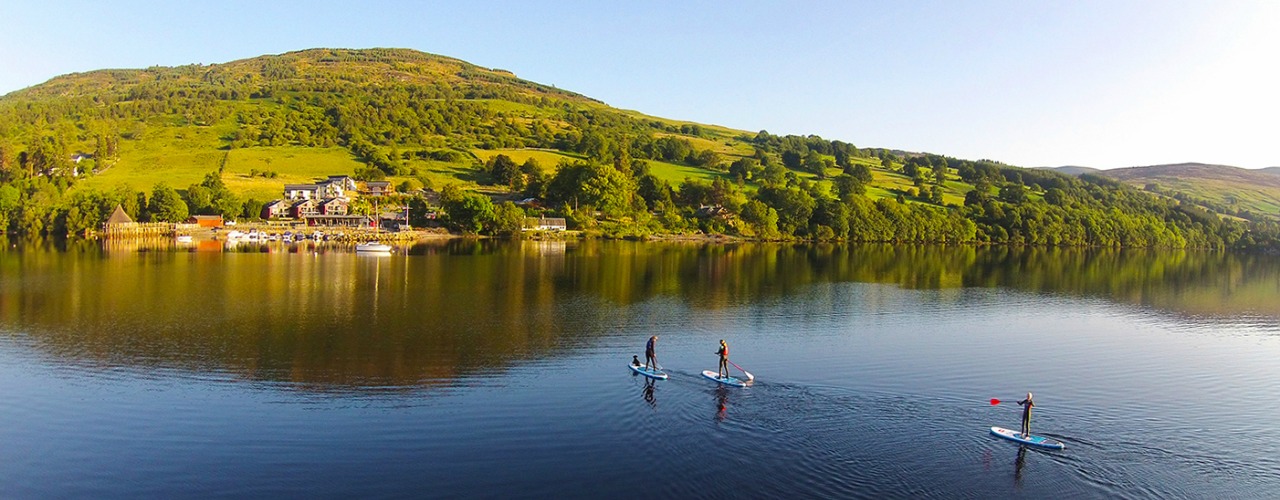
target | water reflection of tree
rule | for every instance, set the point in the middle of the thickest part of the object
(466, 306)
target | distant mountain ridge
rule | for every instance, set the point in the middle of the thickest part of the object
(1198, 171)
(1072, 170)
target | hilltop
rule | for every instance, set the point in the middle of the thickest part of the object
(224, 138)
(1072, 170)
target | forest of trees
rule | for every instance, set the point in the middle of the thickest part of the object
(389, 107)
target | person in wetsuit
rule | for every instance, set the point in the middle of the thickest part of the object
(650, 357)
(724, 359)
(1026, 404)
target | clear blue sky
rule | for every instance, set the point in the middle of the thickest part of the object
(1095, 83)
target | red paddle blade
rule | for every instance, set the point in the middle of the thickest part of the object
(995, 401)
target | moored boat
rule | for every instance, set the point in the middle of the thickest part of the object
(373, 247)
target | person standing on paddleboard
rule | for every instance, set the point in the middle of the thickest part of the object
(724, 359)
(1026, 404)
(650, 357)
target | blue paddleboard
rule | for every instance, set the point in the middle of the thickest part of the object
(648, 372)
(726, 381)
(1032, 440)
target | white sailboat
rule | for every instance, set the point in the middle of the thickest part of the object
(374, 247)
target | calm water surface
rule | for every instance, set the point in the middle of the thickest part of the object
(491, 369)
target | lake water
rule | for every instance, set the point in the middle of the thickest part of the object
(497, 369)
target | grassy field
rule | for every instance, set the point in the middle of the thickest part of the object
(547, 158)
(675, 174)
(443, 174)
(1255, 198)
(730, 149)
(183, 156)
(671, 172)
(1257, 191)
(177, 156)
(887, 184)
(294, 165)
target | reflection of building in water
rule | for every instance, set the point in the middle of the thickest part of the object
(137, 244)
(208, 246)
(544, 258)
(545, 247)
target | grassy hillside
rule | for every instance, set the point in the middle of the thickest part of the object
(1224, 189)
(224, 133)
(288, 114)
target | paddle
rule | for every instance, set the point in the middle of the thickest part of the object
(749, 375)
(995, 401)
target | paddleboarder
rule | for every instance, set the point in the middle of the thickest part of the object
(650, 358)
(724, 359)
(1026, 404)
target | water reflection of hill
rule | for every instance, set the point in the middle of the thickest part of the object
(335, 320)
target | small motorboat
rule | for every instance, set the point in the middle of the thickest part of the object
(373, 247)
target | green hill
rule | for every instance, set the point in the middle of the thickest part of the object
(315, 112)
(228, 136)
(1251, 194)
(1224, 189)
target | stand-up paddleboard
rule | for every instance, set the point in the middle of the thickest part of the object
(648, 372)
(726, 381)
(1032, 440)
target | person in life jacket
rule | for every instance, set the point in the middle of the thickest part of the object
(724, 359)
(1026, 404)
(650, 357)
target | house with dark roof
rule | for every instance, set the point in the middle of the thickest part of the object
(332, 206)
(713, 212)
(275, 209)
(378, 188)
(545, 224)
(302, 208)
